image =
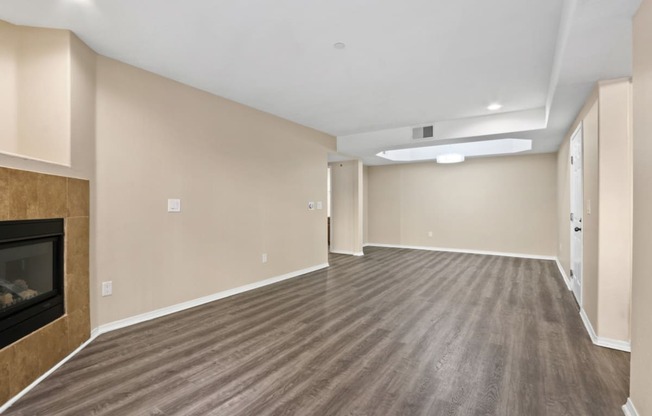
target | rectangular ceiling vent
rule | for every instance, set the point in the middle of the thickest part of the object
(422, 132)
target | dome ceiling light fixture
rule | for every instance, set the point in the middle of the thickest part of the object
(450, 158)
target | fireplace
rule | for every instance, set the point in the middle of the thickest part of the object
(31, 276)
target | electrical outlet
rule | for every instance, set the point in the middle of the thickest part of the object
(320, 205)
(429, 233)
(264, 258)
(107, 288)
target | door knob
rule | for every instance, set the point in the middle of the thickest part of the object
(577, 229)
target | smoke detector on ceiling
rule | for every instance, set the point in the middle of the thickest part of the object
(424, 132)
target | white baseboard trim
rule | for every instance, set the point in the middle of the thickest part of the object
(95, 332)
(457, 250)
(563, 274)
(629, 409)
(588, 326)
(200, 301)
(157, 314)
(26, 390)
(348, 253)
(614, 344)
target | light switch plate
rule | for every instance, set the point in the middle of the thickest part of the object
(311, 206)
(107, 288)
(174, 205)
(320, 205)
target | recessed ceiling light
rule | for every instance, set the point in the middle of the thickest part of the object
(494, 107)
(339, 45)
(450, 158)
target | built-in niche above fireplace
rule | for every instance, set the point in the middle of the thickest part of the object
(31, 276)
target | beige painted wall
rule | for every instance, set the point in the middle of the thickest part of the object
(359, 208)
(244, 178)
(43, 57)
(607, 220)
(35, 102)
(347, 199)
(82, 140)
(219, 173)
(8, 88)
(82, 101)
(641, 358)
(590, 228)
(365, 205)
(615, 190)
(563, 206)
(504, 204)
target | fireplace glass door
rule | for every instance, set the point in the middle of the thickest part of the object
(26, 272)
(31, 276)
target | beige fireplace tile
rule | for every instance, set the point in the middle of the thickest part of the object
(4, 190)
(79, 328)
(6, 356)
(77, 291)
(25, 365)
(53, 342)
(78, 198)
(22, 195)
(77, 237)
(51, 194)
(31, 196)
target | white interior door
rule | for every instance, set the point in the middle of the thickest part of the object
(577, 211)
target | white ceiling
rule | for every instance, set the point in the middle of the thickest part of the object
(406, 63)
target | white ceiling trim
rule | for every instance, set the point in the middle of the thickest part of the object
(468, 128)
(405, 64)
(570, 6)
(468, 149)
(472, 128)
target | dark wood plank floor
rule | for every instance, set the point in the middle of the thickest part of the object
(396, 332)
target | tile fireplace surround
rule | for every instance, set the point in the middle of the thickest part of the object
(26, 196)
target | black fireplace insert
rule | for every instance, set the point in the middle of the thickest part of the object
(31, 276)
